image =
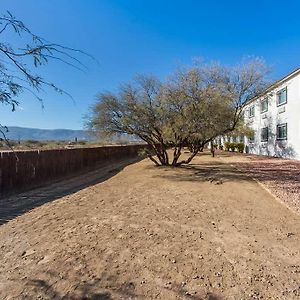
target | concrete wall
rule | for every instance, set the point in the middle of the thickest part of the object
(35, 168)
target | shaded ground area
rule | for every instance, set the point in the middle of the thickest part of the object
(13, 206)
(205, 231)
(281, 176)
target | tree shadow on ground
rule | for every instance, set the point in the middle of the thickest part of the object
(216, 173)
(83, 291)
(279, 171)
(106, 289)
(13, 206)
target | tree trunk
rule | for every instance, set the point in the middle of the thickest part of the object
(153, 159)
(195, 152)
(212, 149)
(161, 154)
(176, 155)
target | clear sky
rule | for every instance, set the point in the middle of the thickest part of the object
(128, 37)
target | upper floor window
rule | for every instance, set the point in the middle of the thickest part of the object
(264, 105)
(281, 96)
(251, 111)
(264, 134)
(281, 133)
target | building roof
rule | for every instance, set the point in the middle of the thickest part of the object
(276, 84)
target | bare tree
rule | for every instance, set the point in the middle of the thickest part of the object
(191, 109)
(18, 62)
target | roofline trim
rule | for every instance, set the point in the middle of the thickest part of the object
(274, 85)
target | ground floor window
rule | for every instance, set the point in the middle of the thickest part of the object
(251, 139)
(264, 134)
(281, 132)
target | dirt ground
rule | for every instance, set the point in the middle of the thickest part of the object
(205, 231)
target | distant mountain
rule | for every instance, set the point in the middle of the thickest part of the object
(22, 133)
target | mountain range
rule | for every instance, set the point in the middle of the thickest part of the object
(22, 133)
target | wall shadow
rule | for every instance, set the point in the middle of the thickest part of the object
(272, 146)
(16, 205)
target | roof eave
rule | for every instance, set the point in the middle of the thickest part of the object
(274, 85)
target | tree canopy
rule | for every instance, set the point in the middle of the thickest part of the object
(190, 109)
(20, 59)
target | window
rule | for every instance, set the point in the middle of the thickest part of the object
(251, 139)
(241, 139)
(264, 105)
(281, 97)
(281, 132)
(264, 134)
(251, 111)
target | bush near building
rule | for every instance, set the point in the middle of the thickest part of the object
(234, 147)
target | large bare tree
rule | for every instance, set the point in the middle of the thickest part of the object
(191, 109)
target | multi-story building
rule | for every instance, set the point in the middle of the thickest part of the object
(275, 118)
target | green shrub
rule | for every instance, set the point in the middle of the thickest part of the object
(240, 147)
(232, 146)
(227, 146)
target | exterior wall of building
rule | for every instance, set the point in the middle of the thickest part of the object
(288, 113)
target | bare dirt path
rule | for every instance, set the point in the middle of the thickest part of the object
(15, 205)
(206, 231)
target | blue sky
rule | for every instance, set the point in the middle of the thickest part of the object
(130, 37)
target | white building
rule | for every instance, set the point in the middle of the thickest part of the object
(275, 118)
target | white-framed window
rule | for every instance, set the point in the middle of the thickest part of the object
(264, 105)
(281, 97)
(281, 133)
(251, 139)
(251, 111)
(264, 134)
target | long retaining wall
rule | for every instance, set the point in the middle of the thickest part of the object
(23, 170)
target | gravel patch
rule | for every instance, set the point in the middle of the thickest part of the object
(281, 176)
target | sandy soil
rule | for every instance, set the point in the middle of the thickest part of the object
(206, 231)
